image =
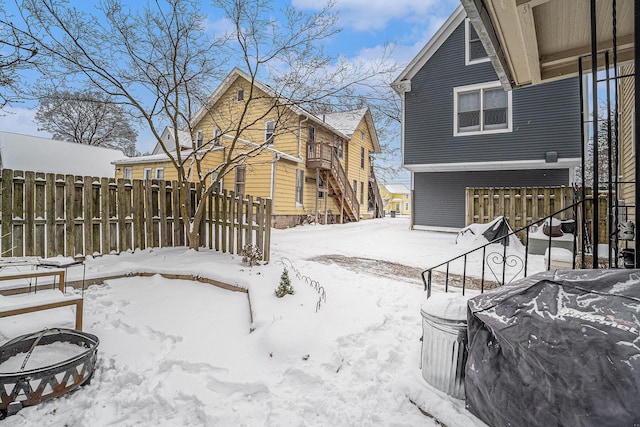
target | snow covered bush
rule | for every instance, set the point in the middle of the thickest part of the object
(251, 255)
(285, 285)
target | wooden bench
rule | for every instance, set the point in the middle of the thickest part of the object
(43, 300)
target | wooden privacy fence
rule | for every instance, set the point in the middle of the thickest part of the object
(51, 214)
(525, 205)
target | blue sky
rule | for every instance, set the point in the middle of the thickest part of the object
(367, 26)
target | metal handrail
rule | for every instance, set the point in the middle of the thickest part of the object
(428, 272)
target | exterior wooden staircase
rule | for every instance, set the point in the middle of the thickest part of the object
(375, 199)
(323, 157)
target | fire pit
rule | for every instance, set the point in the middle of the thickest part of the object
(42, 365)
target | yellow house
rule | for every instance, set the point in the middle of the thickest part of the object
(396, 198)
(311, 167)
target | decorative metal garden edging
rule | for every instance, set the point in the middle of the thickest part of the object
(322, 295)
(30, 387)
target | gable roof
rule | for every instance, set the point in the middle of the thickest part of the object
(237, 73)
(34, 153)
(347, 122)
(427, 52)
(397, 188)
(168, 134)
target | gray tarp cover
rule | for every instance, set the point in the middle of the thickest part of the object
(557, 349)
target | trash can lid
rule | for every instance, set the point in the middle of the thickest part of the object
(447, 305)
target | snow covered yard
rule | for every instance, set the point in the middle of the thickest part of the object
(176, 352)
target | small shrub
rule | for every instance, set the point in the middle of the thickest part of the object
(285, 285)
(251, 255)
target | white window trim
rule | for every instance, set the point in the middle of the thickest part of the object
(157, 173)
(127, 173)
(300, 173)
(273, 134)
(146, 173)
(468, 61)
(479, 86)
(199, 139)
(216, 136)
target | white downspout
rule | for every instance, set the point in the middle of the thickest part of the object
(300, 134)
(276, 157)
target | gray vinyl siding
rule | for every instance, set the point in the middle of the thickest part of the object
(545, 117)
(439, 197)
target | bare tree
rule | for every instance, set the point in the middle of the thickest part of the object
(16, 53)
(86, 117)
(604, 154)
(159, 62)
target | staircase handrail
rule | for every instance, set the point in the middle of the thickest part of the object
(343, 181)
(526, 228)
(376, 194)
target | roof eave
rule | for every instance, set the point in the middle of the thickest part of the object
(431, 47)
(481, 21)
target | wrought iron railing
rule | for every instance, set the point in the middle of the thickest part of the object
(497, 262)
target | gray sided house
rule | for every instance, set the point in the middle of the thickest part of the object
(461, 129)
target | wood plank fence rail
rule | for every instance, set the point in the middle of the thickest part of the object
(525, 205)
(51, 214)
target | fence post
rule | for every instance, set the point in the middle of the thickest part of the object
(69, 201)
(468, 208)
(105, 235)
(267, 231)
(232, 204)
(260, 221)
(87, 215)
(162, 211)
(223, 219)
(249, 231)
(216, 220)
(138, 214)
(178, 228)
(29, 212)
(7, 212)
(239, 212)
(50, 214)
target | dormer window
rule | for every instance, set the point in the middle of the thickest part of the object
(474, 50)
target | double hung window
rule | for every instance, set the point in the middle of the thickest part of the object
(299, 185)
(240, 179)
(269, 129)
(481, 109)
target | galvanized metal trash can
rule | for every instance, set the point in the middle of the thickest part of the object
(444, 344)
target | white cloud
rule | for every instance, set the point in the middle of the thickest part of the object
(20, 120)
(368, 15)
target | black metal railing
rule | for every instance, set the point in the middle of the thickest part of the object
(501, 261)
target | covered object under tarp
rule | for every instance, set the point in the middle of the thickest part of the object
(557, 349)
